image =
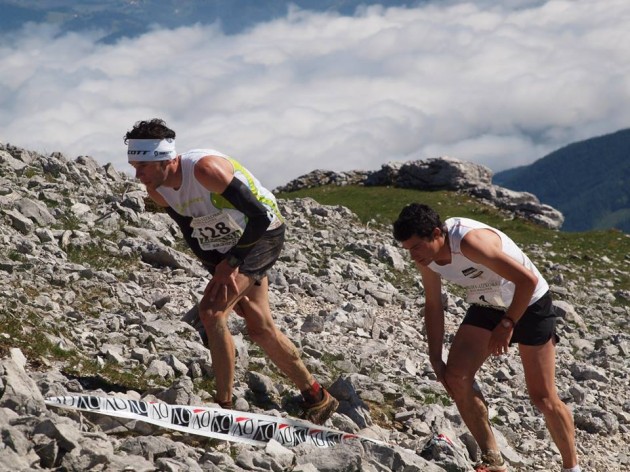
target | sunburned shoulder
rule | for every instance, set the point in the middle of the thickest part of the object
(481, 239)
(211, 166)
(482, 234)
(214, 172)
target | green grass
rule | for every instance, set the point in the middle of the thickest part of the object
(24, 331)
(112, 375)
(497, 421)
(381, 205)
(433, 398)
(27, 333)
(99, 258)
(583, 251)
(382, 414)
(68, 222)
(15, 256)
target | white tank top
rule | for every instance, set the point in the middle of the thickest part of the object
(484, 286)
(216, 224)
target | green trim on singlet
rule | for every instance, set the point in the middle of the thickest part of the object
(221, 203)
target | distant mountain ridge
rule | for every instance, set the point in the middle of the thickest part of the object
(588, 181)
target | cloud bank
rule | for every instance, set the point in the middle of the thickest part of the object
(497, 85)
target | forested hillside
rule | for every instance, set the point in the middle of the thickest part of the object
(589, 181)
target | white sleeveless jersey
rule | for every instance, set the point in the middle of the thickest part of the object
(484, 286)
(215, 223)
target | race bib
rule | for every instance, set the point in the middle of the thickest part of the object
(216, 232)
(486, 294)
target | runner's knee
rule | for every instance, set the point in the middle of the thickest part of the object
(262, 334)
(458, 382)
(547, 404)
(212, 318)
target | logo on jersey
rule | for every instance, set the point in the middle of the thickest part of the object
(472, 273)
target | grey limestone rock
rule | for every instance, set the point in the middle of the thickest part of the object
(102, 285)
(442, 173)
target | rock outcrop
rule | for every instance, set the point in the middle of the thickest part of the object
(444, 173)
(92, 292)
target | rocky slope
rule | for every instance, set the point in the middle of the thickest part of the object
(93, 289)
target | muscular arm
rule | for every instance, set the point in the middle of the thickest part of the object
(484, 246)
(217, 175)
(214, 173)
(434, 321)
(433, 312)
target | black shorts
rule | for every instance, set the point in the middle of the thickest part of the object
(536, 326)
(263, 255)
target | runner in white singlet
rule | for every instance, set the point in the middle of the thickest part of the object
(510, 303)
(233, 225)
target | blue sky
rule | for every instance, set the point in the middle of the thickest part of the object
(501, 85)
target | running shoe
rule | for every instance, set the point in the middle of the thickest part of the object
(319, 412)
(491, 461)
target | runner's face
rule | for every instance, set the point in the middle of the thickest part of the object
(150, 174)
(422, 250)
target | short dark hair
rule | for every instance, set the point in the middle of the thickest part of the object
(149, 129)
(416, 219)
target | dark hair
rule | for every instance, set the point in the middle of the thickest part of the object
(416, 219)
(151, 129)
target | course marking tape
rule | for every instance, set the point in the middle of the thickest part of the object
(218, 423)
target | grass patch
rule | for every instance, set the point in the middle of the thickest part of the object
(16, 256)
(330, 362)
(99, 258)
(329, 359)
(407, 280)
(68, 222)
(583, 251)
(432, 398)
(25, 333)
(90, 303)
(31, 171)
(381, 414)
(497, 421)
(206, 384)
(381, 205)
(112, 376)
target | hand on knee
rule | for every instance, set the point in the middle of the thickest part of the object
(210, 307)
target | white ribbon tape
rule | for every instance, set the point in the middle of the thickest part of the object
(218, 423)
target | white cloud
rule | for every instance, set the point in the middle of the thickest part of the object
(496, 85)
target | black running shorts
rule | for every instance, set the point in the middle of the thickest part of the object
(263, 255)
(535, 327)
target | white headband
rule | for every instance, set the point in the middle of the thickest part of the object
(151, 150)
